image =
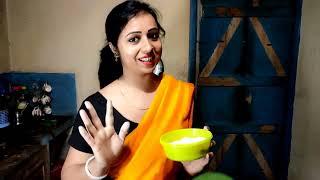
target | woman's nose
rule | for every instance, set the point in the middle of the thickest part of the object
(147, 46)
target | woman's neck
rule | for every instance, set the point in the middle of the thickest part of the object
(147, 83)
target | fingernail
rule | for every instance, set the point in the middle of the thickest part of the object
(87, 104)
(81, 129)
(127, 123)
(81, 112)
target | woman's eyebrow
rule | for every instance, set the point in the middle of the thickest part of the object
(134, 32)
(139, 32)
(153, 29)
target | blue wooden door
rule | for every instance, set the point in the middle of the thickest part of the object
(244, 61)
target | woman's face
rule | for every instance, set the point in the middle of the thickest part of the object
(139, 45)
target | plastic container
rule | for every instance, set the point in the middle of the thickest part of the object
(186, 144)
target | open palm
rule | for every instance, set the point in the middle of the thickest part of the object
(105, 143)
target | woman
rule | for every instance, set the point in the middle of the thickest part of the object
(117, 130)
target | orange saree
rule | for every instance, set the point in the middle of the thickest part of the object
(143, 156)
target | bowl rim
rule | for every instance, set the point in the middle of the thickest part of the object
(162, 142)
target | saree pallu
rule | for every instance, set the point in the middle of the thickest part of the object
(143, 156)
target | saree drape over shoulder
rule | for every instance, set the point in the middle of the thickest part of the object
(143, 156)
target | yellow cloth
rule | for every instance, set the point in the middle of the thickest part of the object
(143, 156)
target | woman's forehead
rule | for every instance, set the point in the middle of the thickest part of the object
(141, 22)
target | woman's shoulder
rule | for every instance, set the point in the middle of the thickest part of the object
(171, 79)
(96, 97)
(102, 94)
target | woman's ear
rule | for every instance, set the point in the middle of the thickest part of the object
(113, 48)
(115, 51)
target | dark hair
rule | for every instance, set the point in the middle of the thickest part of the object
(109, 69)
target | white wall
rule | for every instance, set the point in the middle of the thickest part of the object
(66, 36)
(305, 156)
(4, 43)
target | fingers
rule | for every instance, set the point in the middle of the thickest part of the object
(94, 116)
(210, 155)
(206, 159)
(124, 130)
(86, 136)
(206, 127)
(87, 123)
(213, 143)
(109, 114)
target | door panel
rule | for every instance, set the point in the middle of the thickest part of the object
(245, 54)
(235, 156)
(252, 167)
(213, 37)
(227, 105)
(247, 3)
(278, 32)
(243, 107)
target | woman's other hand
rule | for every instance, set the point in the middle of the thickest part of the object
(196, 166)
(105, 143)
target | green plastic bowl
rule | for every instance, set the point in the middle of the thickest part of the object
(186, 151)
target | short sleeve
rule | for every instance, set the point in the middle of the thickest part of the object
(76, 140)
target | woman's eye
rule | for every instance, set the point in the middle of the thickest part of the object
(154, 36)
(134, 39)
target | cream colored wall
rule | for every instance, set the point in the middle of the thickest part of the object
(305, 156)
(4, 43)
(66, 36)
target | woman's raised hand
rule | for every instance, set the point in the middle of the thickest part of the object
(105, 143)
(196, 166)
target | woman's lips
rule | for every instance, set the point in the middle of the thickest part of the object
(148, 60)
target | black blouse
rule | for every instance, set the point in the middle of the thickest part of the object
(99, 103)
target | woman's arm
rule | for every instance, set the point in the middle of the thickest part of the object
(74, 165)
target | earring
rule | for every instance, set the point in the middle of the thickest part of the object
(159, 68)
(116, 54)
(116, 57)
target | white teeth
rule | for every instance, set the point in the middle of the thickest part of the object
(146, 59)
